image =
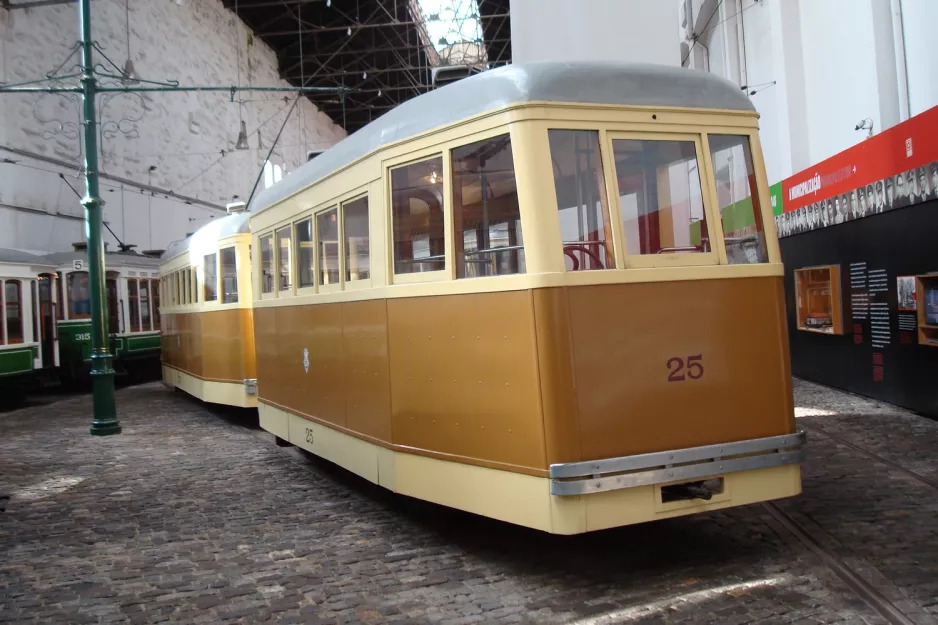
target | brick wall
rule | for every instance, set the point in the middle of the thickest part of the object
(182, 135)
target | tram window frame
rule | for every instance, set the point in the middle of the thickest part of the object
(761, 216)
(146, 322)
(156, 287)
(307, 268)
(194, 290)
(348, 281)
(5, 338)
(417, 158)
(284, 231)
(267, 289)
(331, 287)
(233, 296)
(133, 304)
(68, 287)
(60, 296)
(210, 260)
(716, 253)
(516, 255)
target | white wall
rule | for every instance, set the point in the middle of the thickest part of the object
(590, 30)
(833, 64)
(920, 26)
(181, 134)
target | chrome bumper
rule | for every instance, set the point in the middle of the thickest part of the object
(596, 476)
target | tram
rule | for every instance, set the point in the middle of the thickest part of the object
(549, 294)
(28, 348)
(208, 330)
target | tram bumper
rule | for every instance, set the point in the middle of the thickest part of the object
(689, 469)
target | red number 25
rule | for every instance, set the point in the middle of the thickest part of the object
(694, 364)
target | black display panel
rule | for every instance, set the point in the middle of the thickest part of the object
(879, 354)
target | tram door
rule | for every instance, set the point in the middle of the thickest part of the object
(46, 320)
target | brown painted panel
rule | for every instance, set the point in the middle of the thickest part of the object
(625, 338)
(464, 377)
(555, 360)
(248, 356)
(320, 390)
(265, 350)
(366, 370)
(221, 345)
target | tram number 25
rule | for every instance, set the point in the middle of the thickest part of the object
(693, 365)
(309, 436)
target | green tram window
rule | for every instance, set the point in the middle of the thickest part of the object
(585, 226)
(485, 210)
(79, 295)
(267, 264)
(306, 255)
(738, 197)
(134, 300)
(211, 277)
(660, 196)
(355, 223)
(145, 324)
(13, 309)
(229, 276)
(417, 216)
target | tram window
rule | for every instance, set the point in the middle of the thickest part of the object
(134, 301)
(267, 264)
(306, 254)
(60, 291)
(283, 258)
(13, 307)
(738, 196)
(417, 208)
(156, 287)
(327, 236)
(79, 295)
(177, 291)
(487, 220)
(145, 324)
(211, 277)
(660, 197)
(229, 276)
(355, 222)
(585, 227)
(195, 285)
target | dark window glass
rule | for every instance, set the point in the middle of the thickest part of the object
(327, 233)
(306, 254)
(417, 214)
(211, 277)
(357, 259)
(229, 276)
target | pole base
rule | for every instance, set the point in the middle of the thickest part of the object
(105, 428)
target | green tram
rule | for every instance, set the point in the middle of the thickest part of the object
(45, 334)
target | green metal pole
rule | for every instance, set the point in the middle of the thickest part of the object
(102, 373)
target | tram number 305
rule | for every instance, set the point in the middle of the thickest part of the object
(693, 365)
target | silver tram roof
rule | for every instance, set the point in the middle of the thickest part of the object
(16, 257)
(111, 259)
(588, 83)
(229, 225)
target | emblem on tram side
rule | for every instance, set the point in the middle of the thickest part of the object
(306, 360)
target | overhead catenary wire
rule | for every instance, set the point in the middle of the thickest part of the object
(697, 36)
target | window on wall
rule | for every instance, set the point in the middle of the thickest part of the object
(134, 300)
(738, 197)
(306, 254)
(267, 264)
(145, 324)
(357, 257)
(79, 295)
(229, 276)
(327, 233)
(155, 285)
(585, 227)
(417, 213)
(487, 219)
(284, 258)
(13, 308)
(660, 197)
(211, 277)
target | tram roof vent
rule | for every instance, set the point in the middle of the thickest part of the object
(236, 207)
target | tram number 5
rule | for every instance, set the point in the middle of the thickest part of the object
(693, 364)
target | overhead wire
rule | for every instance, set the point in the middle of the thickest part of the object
(697, 36)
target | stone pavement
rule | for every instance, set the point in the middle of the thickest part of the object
(193, 515)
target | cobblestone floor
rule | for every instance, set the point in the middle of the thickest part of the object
(193, 515)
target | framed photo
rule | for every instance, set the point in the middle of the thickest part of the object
(905, 287)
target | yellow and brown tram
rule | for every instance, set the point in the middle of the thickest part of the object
(549, 294)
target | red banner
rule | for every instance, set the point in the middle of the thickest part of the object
(908, 148)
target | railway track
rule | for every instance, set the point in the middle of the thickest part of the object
(856, 582)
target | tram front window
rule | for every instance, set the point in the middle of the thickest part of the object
(267, 264)
(737, 193)
(486, 213)
(660, 197)
(585, 226)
